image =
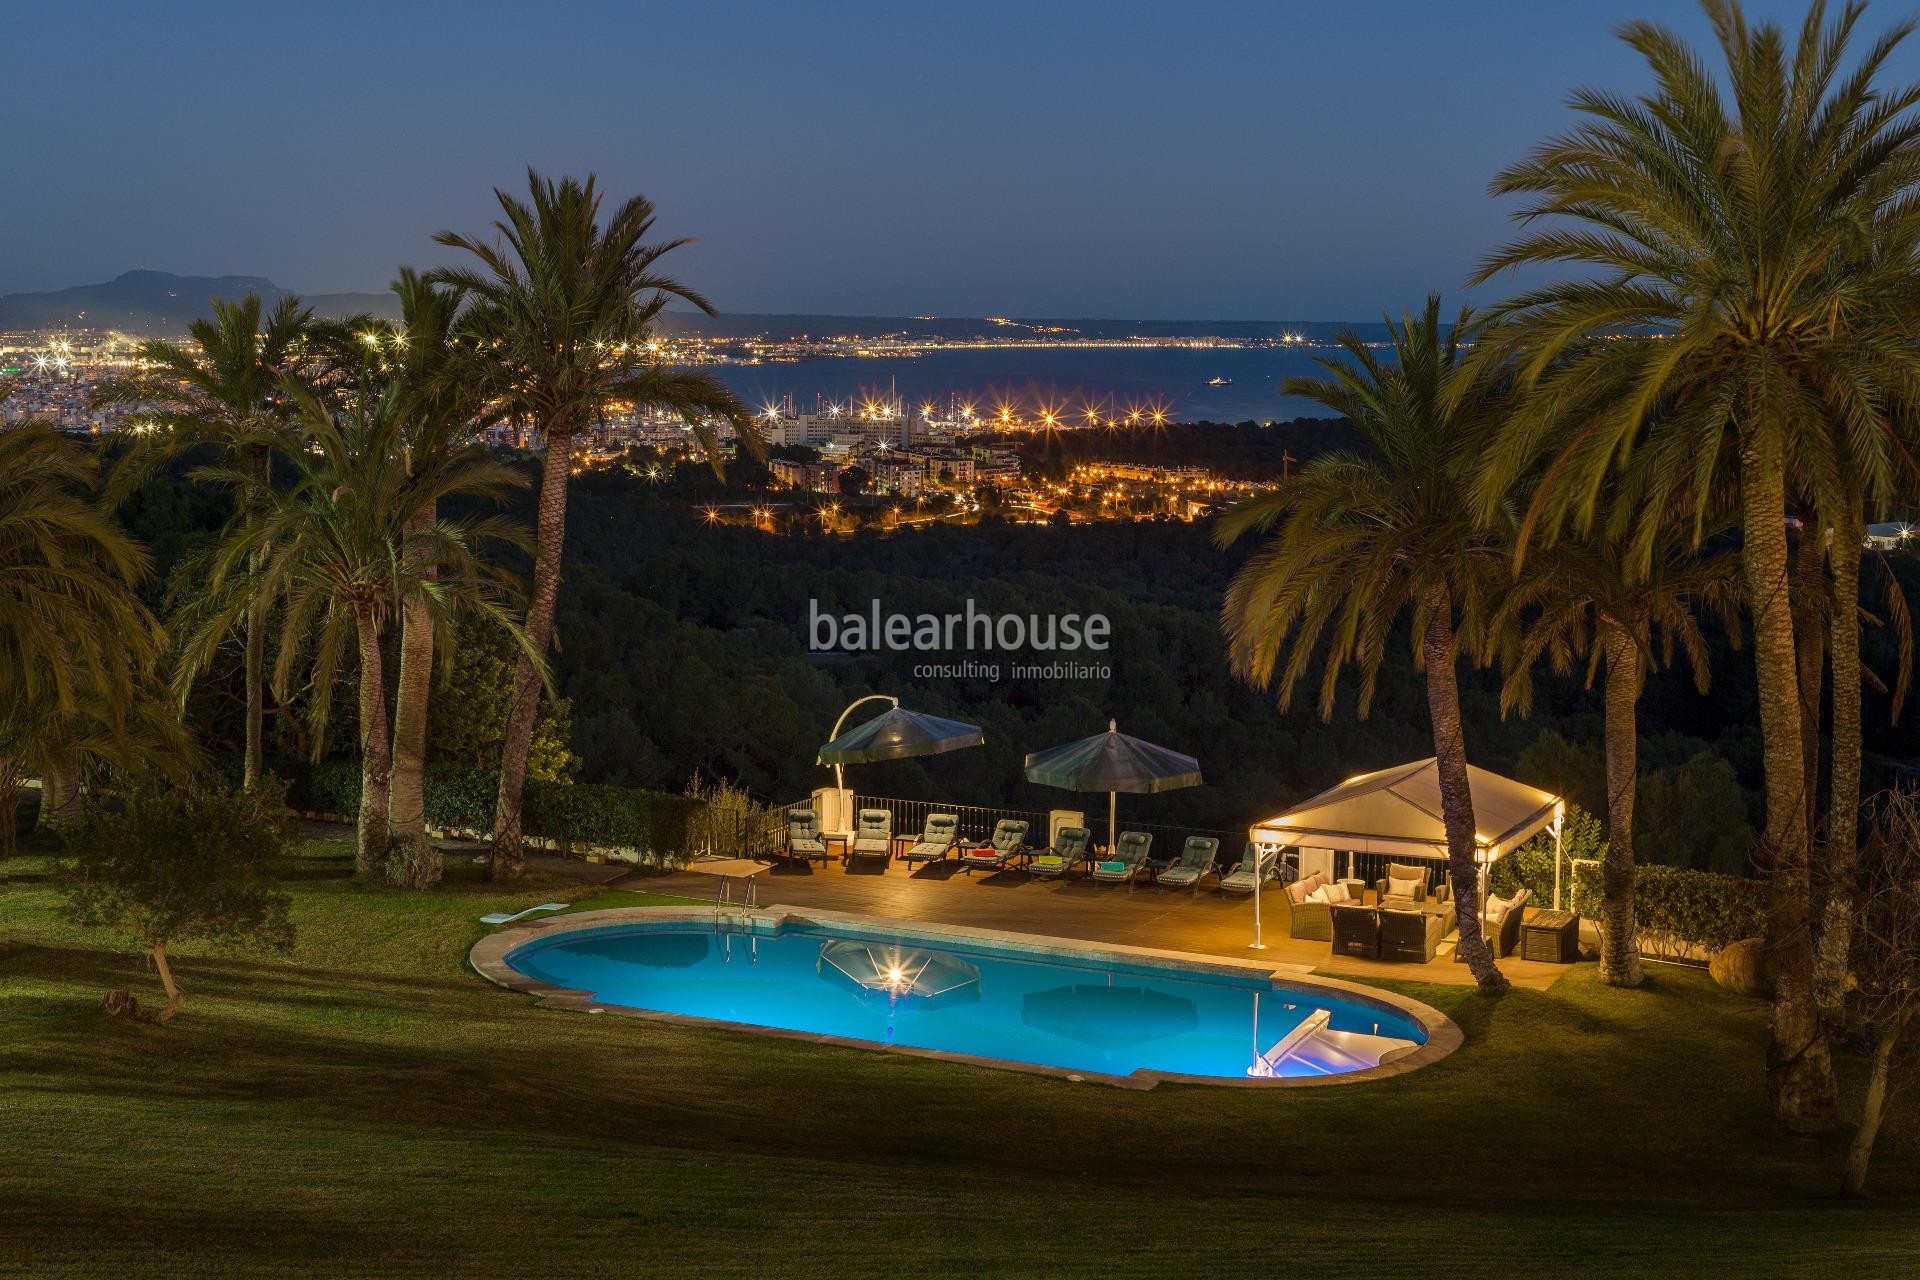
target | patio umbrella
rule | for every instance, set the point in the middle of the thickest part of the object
(902, 971)
(893, 735)
(1112, 762)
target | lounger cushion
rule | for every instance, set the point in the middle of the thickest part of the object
(1404, 888)
(1113, 866)
(1048, 860)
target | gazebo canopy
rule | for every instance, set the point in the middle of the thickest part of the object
(1397, 811)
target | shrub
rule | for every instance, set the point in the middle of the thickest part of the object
(168, 863)
(665, 830)
(1531, 865)
(1677, 909)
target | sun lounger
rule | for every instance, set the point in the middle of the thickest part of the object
(1196, 860)
(1129, 855)
(1069, 850)
(803, 837)
(1241, 878)
(1009, 842)
(872, 836)
(936, 840)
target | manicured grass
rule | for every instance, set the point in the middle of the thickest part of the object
(367, 1105)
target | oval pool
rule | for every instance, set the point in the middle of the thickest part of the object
(1005, 1000)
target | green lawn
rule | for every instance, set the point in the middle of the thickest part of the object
(367, 1105)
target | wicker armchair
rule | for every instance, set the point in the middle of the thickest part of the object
(1410, 935)
(1356, 930)
(1407, 871)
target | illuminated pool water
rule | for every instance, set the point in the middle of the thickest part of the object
(1006, 1003)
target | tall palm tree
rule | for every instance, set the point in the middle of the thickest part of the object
(75, 641)
(568, 308)
(220, 389)
(1583, 600)
(436, 372)
(1766, 236)
(336, 548)
(1357, 540)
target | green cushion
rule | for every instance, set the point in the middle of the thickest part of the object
(1113, 866)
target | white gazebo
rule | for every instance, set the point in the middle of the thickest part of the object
(1397, 811)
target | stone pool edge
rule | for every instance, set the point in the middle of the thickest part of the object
(488, 958)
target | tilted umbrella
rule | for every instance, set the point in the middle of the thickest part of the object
(893, 735)
(902, 971)
(1113, 762)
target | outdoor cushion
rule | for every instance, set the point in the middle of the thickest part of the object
(1299, 889)
(1319, 895)
(1336, 892)
(1113, 866)
(1404, 888)
(1498, 906)
(1048, 860)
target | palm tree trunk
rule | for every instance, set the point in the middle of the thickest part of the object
(1799, 1070)
(60, 796)
(1456, 797)
(509, 854)
(1836, 927)
(376, 762)
(1810, 645)
(1619, 940)
(254, 766)
(407, 812)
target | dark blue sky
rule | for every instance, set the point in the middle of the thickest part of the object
(1272, 160)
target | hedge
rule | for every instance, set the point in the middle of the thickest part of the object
(1677, 909)
(653, 824)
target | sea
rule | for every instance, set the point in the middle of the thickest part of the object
(1183, 383)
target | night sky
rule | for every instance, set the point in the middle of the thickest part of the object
(1181, 161)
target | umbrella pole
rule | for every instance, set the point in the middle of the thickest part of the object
(1113, 809)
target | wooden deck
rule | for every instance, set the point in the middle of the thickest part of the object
(1209, 922)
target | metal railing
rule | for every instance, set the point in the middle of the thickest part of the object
(976, 823)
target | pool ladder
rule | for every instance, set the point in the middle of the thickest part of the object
(747, 901)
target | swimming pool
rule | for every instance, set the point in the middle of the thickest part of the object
(1003, 1000)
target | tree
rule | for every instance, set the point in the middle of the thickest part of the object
(471, 705)
(1886, 968)
(1766, 237)
(168, 863)
(221, 390)
(1358, 539)
(568, 308)
(75, 641)
(1584, 600)
(434, 373)
(341, 551)
(854, 481)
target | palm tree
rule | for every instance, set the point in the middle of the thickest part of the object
(339, 548)
(568, 308)
(75, 641)
(1581, 599)
(435, 371)
(222, 389)
(1766, 238)
(1356, 540)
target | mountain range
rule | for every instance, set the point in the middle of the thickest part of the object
(159, 302)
